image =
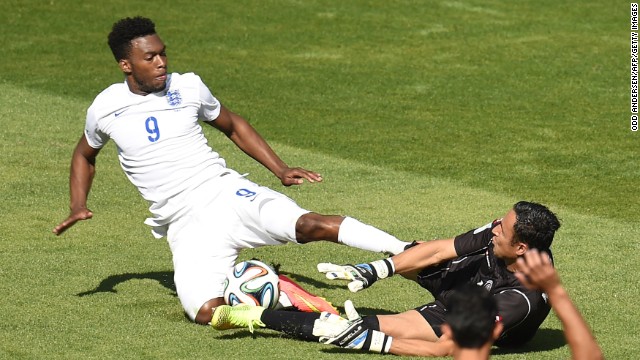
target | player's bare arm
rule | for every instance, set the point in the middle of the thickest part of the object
(249, 140)
(83, 163)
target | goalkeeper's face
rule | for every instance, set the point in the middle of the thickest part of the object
(505, 245)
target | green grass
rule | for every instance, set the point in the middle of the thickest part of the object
(426, 119)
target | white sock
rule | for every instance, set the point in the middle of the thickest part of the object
(283, 302)
(366, 237)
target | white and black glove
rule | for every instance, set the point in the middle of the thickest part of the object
(361, 275)
(350, 333)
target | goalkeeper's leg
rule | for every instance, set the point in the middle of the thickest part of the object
(361, 334)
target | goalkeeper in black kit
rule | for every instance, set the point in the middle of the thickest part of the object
(485, 257)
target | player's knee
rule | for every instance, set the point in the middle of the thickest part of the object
(203, 317)
(314, 227)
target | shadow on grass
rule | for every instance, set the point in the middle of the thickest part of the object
(165, 278)
(545, 340)
(259, 333)
(304, 280)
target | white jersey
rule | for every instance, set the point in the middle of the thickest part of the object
(161, 145)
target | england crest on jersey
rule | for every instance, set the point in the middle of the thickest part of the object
(174, 98)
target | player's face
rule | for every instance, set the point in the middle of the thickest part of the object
(504, 246)
(146, 66)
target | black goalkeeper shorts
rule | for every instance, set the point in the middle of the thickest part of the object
(434, 314)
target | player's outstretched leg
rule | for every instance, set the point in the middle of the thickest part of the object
(301, 299)
(294, 323)
(347, 231)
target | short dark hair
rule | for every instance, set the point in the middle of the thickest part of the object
(125, 30)
(535, 225)
(471, 315)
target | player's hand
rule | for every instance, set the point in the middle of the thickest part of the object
(350, 333)
(330, 327)
(536, 271)
(296, 176)
(361, 276)
(75, 216)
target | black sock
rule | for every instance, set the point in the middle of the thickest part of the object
(371, 322)
(296, 324)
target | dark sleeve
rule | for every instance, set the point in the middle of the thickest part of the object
(473, 240)
(513, 307)
(521, 314)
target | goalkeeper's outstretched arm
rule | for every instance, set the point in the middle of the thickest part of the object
(408, 263)
(423, 255)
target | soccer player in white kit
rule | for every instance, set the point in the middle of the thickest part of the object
(207, 211)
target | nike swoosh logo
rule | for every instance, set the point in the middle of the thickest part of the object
(118, 113)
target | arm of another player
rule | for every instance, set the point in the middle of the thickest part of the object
(249, 140)
(83, 164)
(536, 271)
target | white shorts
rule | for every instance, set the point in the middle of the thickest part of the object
(226, 215)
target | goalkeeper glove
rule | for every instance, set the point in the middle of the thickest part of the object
(351, 333)
(361, 275)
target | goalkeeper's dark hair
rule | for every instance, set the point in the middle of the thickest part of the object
(471, 315)
(125, 30)
(535, 225)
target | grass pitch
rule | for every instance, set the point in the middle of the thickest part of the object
(425, 118)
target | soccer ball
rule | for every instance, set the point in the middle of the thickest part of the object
(252, 282)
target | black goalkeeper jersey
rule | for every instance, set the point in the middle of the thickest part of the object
(521, 310)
